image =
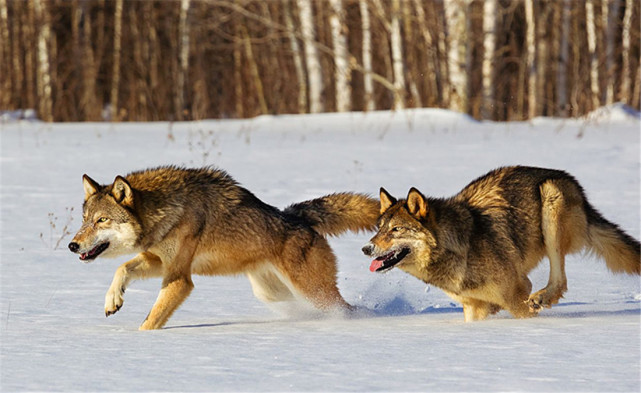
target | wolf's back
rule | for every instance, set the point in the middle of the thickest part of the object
(622, 253)
(336, 213)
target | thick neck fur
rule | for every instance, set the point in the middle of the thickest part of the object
(451, 223)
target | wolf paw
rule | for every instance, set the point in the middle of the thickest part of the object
(114, 300)
(543, 298)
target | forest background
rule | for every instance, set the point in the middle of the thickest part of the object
(93, 60)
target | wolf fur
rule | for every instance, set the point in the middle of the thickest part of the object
(200, 221)
(479, 245)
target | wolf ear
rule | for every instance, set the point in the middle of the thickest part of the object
(416, 203)
(386, 200)
(122, 192)
(91, 187)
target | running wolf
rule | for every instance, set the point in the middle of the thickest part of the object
(201, 221)
(479, 245)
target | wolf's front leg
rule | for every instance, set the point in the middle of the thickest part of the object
(554, 215)
(143, 265)
(174, 291)
(176, 283)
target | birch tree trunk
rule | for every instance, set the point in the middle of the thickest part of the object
(43, 80)
(432, 70)
(298, 60)
(183, 33)
(314, 71)
(625, 53)
(395, 67)
(562, 66)
(456, 20)
(88, 100)
(137, 97)
(115, 73)
(397, 56)
(594, 61)
(30, 62)
(238, 79)
(635, 99)
(76, 17)
(19, 54)
(341, 57)
(413, 72)
(6, 88)
(530, 48)
(253, 67)
(490, 21)
(443, 66)
(368, 84)
(609, 16)
(542, 57)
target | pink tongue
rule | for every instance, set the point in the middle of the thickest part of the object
(376, 264)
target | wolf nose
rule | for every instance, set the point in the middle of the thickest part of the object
(368, 249)
(74, 247)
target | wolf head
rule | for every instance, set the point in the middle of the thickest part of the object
(109, 227)
(404, 238)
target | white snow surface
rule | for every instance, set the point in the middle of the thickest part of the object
(411, 337)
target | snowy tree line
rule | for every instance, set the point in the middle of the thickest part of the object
(78, 60)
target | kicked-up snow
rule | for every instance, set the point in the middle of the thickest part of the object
(406, 336)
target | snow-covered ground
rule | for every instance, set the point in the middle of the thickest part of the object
(55, 336)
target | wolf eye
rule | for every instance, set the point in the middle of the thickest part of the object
(396, 229)
(102, 219)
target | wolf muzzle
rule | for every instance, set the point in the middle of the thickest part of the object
(368, 249)
(74, 247)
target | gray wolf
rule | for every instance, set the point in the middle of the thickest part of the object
(479, 245)
(201, 221)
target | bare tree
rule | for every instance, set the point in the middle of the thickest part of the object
(413, 73)
(314, 71)
(67, 59)
(183, 33)
(19, 55)
(490, 21)
(341, 57)
(432, 69)
(45, 106)
(30, 62)
(397, 56)
(298, 60)
(6, 88)
(609, 17)
(542, 56)
(253, 66)
(625, 52)
(368, 85)
(443, 65)
(457, 36)
(594, 60)
(393, 27)
(561, 76)
(530, 47)
(115, 73)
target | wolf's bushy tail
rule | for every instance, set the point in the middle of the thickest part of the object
(622, 253)
(336, 213)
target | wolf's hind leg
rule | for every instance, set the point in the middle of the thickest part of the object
(312, 272)
(516, 297)
(478, 310)
(267, 286)
(143, 265)
(556, 237)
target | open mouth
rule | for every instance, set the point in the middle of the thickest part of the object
(87, 256)
(388, 261)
